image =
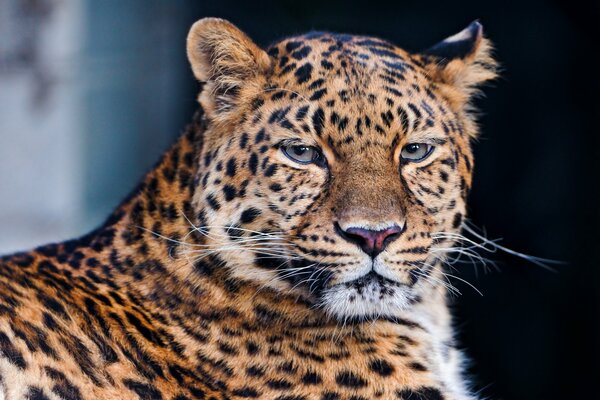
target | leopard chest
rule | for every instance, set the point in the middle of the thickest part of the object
(326, 363)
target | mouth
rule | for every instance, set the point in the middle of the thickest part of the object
(370, 297)
(372, 278)
(320, 279)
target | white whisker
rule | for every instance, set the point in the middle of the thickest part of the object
(464, 281)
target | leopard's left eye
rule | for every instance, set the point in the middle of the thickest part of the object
(301, 154)
(416, 152)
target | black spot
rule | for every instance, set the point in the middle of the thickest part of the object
(144, 391)
(280, 94)
(47, 266)
(349, 379)
(301, 113)
(229, 192)
(316, 84)
(53, 305)
(387, 118)
(417, 366)
(381, 367)
(249, 215)
(426, 393)
(260, 135)
(227, 348)
(252, 348)
(303, 73)
(212, 202)
(291, 397)
(282, 61)
(468, 163)
(254, 370)
(257, 103)
(276, 187)
(197, 393)
(253, 163)
(418, 114)
(203, 268)
(311, 378)
(246, 392)
(444, 176)
(279, 384)
(35, 393)
(457, 220)
(63, 388)
(383, 53)
(243, 140)
(10, 352)
(318, 119)
(231, 167)
(335, 118)
(92, 262)
(272, 263)
(266, 315)
(326, 64)
(148, 333)
(318, 94)
(291, 46)
(270, 171)
(302, 53)
(23, 260)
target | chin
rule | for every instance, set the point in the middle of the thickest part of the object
(368, 298)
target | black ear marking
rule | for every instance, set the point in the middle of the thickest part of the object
(460, 45)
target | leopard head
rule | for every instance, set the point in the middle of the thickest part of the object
(335, 166)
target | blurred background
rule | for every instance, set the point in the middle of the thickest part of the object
(91, 92)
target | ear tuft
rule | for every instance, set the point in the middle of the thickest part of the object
(226, 59)
(462, 61)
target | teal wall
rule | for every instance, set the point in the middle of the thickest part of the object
(135, 72)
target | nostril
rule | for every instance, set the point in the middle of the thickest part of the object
(363, 239)
(370, 241)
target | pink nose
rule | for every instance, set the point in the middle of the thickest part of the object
(370, 241)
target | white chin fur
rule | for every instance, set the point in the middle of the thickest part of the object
(371, 301)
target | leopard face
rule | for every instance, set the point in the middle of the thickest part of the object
(335, 167)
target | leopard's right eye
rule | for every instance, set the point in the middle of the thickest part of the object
(416, 152)
(301, 154)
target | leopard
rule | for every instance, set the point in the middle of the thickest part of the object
(289, 245)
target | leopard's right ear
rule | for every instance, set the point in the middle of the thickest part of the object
(461, 63)
(229, 63)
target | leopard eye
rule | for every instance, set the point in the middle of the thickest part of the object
(416, 152)
(301, 154)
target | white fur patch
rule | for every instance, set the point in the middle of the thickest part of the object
(373, 299)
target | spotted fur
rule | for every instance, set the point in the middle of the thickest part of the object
(232, 271)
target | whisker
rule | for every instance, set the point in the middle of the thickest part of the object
(432, 280)
(541, 262)
(468, 247)
(464, 281)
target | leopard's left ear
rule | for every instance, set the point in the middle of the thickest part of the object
(226, 61)
(462, 61)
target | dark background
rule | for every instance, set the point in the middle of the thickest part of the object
(534, 334)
